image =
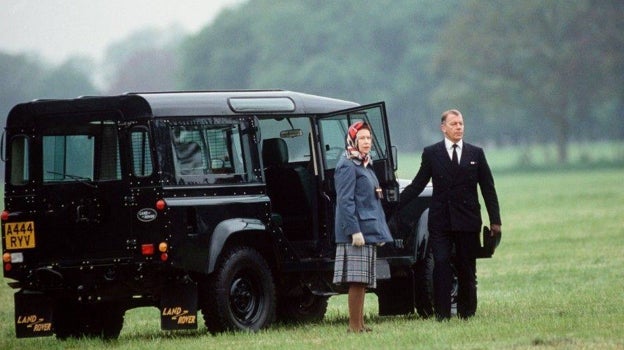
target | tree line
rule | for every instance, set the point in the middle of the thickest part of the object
(521, 71)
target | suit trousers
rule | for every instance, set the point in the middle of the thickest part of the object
(454, 251)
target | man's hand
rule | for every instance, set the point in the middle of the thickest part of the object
(495, 229)
(358, 239)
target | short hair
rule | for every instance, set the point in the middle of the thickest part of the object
(446, 114)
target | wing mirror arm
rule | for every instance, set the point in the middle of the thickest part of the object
(395, 158)
(2, 157)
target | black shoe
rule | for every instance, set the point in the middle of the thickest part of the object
(465, 317)
(442, 318)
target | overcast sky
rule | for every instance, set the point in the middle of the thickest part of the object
(58, 29)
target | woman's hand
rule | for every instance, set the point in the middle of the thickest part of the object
(358, 239)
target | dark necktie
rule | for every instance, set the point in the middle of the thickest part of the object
(454, 160)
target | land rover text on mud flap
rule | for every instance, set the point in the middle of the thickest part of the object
(219, 201)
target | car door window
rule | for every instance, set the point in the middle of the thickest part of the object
(333, 130)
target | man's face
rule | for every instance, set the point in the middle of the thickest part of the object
(453, 127)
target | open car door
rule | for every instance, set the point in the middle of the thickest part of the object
(332, 130)
(332, 137)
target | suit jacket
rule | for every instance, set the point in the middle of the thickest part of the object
(357, 207)
(455, 202)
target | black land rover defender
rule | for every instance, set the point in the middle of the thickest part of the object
(215, 201)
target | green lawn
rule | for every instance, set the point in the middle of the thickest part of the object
(514, 159)
(556, 282)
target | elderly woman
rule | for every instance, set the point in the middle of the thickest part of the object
(360, 222)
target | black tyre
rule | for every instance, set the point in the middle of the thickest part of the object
(73, 320)
(305, 308)
(240, 294)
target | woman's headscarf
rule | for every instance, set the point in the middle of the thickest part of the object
(352, 151)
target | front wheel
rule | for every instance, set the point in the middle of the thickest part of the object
(240, 294)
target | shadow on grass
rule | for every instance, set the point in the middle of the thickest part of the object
(279, 326)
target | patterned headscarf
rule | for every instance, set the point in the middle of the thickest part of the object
(352, 150)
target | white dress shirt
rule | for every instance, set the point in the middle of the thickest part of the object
(449, 148)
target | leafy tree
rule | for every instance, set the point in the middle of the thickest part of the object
(20, 76)
(551, 60)
(146, 60)
(25, 78)
(69, 79)
(379, 50)
(219, 56)
(145, 70)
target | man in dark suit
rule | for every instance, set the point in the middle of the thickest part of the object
(455, 169)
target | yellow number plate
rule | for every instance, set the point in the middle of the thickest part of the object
(19, 235)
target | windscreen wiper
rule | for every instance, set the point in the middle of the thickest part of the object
(80, 179)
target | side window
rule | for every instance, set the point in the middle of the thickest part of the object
(141, 155)
(334, 130)
(20, 173)
(374, 117)
(187, 150)
(208, 154)
(295, 131)
(220, 160)
(333, 133)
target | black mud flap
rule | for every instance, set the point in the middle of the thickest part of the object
(396, 295)
(33, 315)
(178, 306)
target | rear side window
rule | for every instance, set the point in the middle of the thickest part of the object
(20, 173)
(141, 156)
(207, 154)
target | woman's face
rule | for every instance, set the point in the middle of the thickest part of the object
(363, 141)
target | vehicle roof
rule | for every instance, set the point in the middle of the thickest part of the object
(217, 102)
(141, 105)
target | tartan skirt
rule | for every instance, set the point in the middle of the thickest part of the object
(355, 264)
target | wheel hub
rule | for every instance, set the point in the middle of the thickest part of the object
(243, 299)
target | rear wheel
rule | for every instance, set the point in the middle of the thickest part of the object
(240, 294)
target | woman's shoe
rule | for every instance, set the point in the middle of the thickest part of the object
(362, 330)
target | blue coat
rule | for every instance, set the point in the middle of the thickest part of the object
(357, 207)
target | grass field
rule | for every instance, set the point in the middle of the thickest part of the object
(556, 282)
(538, 157)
